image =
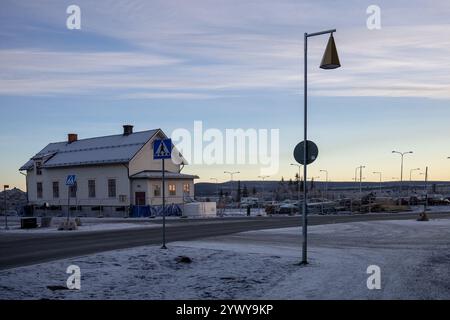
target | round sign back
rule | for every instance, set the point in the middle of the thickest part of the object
(311, 152)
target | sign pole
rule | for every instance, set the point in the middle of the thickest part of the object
(6, 205)
(162, 149)
(164, 205)
(71, 181)
(68, 203)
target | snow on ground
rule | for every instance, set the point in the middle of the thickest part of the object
(83, 228)
(414, 258)
(241, 212)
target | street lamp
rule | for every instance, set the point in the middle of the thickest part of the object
(231, 173)
(262, 186)
(410, 174)
(379, 173)
(326, 182)
(402, 154)
(217, 185)
(356, 173)
(330, 60)
(360, 180)
(6, 213)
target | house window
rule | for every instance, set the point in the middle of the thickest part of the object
(38, 168)
(39, 190)
(55, 189)
(186, 187)
(91, 188)
(112, 188)
(156, 190)
(73, 191)
(172, 189)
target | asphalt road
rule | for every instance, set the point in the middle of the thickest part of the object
(26, 249)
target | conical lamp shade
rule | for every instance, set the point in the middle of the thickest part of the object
(330, 58)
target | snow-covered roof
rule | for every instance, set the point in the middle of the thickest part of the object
(153, 174)
(100, 150)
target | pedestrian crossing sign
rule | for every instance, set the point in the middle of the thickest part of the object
(71, 180)
(162, 149)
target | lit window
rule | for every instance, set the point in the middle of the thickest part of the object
(172, 189)
(186, 188)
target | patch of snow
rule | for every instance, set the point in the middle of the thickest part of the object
(414, 258)
(83, 228)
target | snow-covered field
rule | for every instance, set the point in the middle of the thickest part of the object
(414, 258)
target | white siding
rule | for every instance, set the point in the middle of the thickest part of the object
(100, 174)
(148, 186)
(143, 160)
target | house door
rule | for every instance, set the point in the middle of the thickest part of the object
(140, 198)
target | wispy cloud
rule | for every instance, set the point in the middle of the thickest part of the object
(202, 49)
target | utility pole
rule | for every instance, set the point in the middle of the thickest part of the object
(330, 60)
(378, 172)
(262, 188)
(360, 181)
(217, 186)
(231, 173)
(402, 154)
(426, 190)
(326, 182)
(6, 204)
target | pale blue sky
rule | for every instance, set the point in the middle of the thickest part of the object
(230, 64)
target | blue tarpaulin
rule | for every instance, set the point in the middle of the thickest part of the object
(155, 211)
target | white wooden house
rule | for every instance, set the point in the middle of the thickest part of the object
(112, 173)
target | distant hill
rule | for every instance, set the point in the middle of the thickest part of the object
(209, 189)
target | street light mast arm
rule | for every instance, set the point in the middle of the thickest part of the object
(319, 33)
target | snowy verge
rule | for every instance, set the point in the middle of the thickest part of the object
(83, 228)
(414, 259)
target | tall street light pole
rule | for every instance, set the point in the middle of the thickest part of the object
(448, 157)
(379, 173)
(326, 182)
(410, 173)
(217, 185)
(262, 184)
(402, 154)
(360, 181)
(262, 187)
(356, 174)
(330, 60)
(231, 173)
(6, 213)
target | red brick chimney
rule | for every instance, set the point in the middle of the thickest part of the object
(72, 137)
(127, 129)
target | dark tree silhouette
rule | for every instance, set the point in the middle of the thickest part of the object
(239, 192)
(245, 191)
